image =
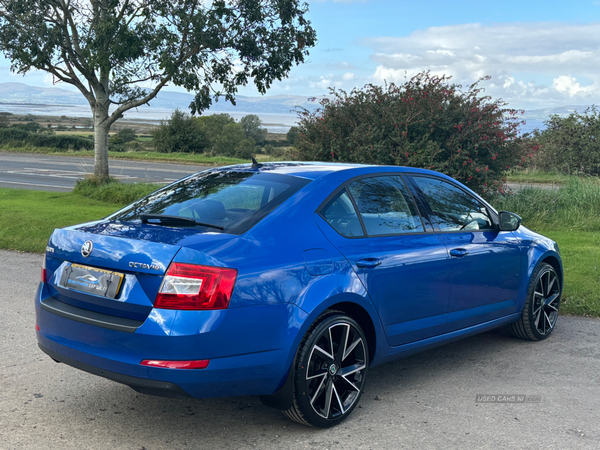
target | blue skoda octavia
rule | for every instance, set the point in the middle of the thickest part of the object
(289, 281)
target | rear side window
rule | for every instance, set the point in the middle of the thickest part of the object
(234, 201)
(340, 214)
(386, 206)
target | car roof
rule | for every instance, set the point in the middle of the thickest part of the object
(314, 170)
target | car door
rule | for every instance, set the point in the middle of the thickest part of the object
(485, 262)
(404, 268)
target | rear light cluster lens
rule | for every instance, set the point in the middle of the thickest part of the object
(44, 268)
(193, 287)
(196, 364)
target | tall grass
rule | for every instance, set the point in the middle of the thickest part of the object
(112, 190)
(575, 205)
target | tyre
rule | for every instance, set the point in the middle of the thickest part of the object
(329, 371)
(541, 307)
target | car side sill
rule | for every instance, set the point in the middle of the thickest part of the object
(404, 350)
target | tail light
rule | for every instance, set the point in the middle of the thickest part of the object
(44, 268)
(193, 287)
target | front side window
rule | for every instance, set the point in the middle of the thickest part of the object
(452, 208)
(385, 206)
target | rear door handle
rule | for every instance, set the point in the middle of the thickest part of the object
(368, 262)
(459, 252)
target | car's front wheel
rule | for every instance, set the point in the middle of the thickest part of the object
(540, 312)
(329, 371)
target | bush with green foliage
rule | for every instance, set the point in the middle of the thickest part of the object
(32, 127)
(570, 145)
(426, 122)
(269, 149)
(117, 142)
(134, 146)
(13, 135)
(245, 149)
(19, 137)
(181, 133)
(127, 135)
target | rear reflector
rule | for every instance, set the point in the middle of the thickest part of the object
(192, 287)
(197, 364)
(37, 328)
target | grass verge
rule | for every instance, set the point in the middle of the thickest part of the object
(178, 158)
(580, 253)
(112, 190)
(27, 218)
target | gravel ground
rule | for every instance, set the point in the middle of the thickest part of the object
(427, 401)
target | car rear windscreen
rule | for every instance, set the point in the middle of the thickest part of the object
(232, 201)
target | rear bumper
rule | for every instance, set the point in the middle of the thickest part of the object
(248, 349)
(160, 388)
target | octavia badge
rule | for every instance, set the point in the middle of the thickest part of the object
(86, 248)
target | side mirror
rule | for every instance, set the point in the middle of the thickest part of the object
(509, 221)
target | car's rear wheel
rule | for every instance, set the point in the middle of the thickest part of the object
(541, 307)
(329, 371)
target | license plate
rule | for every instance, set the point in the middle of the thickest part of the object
(91, 280)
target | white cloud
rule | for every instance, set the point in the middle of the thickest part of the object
(520, 57)
(348, 76)
(568, 84)
(323, 82)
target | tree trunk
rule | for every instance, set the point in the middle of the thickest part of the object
(101, 129)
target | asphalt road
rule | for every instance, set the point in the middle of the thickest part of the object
(427, 401)
(59, 173)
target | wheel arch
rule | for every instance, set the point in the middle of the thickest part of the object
(363, 318)
(549, 257)
(556, 265)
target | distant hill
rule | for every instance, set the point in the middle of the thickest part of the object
(277, 104)
(23, 93)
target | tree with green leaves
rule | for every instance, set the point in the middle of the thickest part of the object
(252, 126)
(181, 133)
(110, 49)
(292, 134)
(571, 144)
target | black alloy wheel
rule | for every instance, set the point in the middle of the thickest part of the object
(541, 308)
(330, 370)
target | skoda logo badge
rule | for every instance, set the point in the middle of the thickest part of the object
(86, 248)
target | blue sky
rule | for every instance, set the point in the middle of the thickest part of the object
(539, 53)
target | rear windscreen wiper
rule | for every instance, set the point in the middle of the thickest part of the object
(175, 221)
